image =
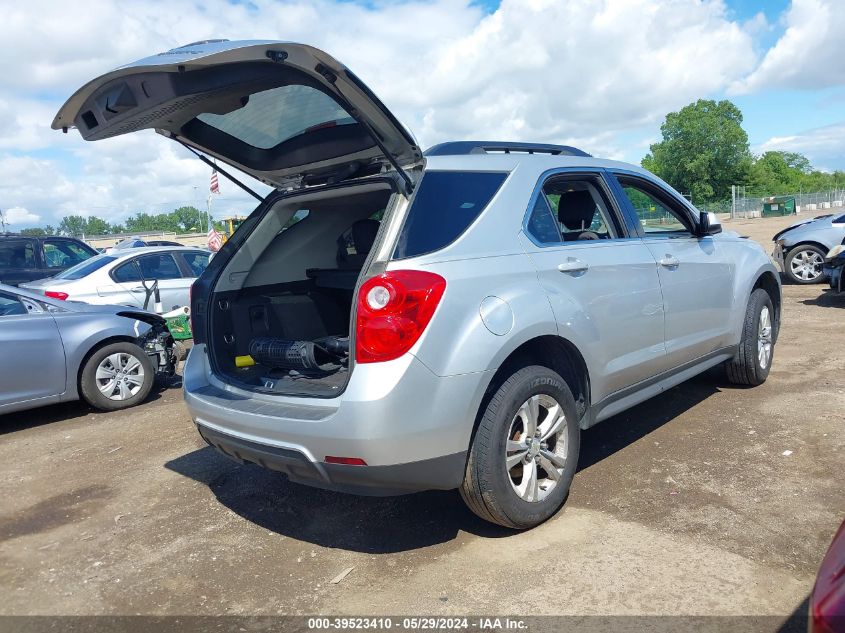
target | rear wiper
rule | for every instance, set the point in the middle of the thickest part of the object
(216, 167)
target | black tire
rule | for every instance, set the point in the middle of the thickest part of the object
(487, 488)
(800, 251)
(88, 382)
(745, 368)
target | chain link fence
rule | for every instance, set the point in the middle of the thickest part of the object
(748, 203)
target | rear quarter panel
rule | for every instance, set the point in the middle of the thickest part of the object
(457, 341)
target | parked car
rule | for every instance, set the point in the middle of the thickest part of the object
(26, 258)
(801, 248)
(126, 277)
(137, 242)
(437, 321)
(55, 351)
(827, 600)
(834, 266)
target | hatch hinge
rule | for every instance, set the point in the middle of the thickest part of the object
(344, 102)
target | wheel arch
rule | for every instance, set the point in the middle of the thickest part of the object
(553, 352)
(768, 282)
(810, 242)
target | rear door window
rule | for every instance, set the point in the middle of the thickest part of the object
(10, 306)
(444, 206)
(196, 262)
(159, 266)
(17, 254)
(63, 253)
(127, 273)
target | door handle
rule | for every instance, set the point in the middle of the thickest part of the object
(138, 289)
(669, 261)
(573, 265)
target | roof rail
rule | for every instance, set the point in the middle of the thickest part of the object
(458, 148)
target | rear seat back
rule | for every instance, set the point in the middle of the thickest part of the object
(353, 248)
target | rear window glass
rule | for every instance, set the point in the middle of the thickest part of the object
(276, 115)
(86, 268)
(445, 204)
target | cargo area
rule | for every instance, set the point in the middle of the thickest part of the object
(282, 307)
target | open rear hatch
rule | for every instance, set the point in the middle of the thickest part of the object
(287, 114)
(276, 304)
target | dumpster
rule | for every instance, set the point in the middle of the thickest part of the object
(778, 205)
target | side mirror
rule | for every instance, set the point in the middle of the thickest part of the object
(708, 224)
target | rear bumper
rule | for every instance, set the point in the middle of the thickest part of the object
(411, 427)
(439, 473)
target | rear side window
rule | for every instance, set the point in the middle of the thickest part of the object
(445, 204)
(17, 254)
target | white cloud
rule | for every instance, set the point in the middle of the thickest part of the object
(824, 146)
(19, 215)
(578, 72)
(809, 54)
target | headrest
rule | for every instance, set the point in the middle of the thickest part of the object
(364, 234)
(576, 209)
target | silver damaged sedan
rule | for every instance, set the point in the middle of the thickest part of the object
(54, 351)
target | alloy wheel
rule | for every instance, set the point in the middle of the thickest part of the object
(764, 338)
(536, 450)
(807, 265)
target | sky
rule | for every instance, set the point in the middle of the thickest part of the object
(597, 74)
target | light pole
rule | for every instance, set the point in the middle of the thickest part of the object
(197, 206)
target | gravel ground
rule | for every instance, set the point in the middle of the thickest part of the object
(709, 499)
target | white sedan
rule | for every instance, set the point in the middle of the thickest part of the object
(126, 278)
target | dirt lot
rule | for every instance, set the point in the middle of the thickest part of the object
(708, 499)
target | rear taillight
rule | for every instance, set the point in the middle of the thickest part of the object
(393, 311)
(55, 294)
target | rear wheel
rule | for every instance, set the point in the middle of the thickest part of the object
(804, 263)
(117, 376)
(753, 360)
(525, 451)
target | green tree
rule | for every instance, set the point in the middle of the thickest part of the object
(73, 225)
(35, 231)
(141, 222)
(97, 226)
(188, 218)
(704, 150)
(789, 172)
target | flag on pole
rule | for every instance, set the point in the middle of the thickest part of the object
(214, 187)
(214, 240)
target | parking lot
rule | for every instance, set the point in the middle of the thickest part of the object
(709, 499)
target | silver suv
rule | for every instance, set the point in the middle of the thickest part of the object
(389, 321)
